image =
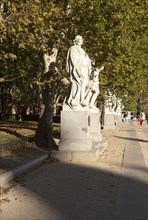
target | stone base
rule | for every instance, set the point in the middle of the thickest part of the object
(95, 127)
(119, 119)
(81, 138)
(109, 121)
(73, 155)
(96, 136)
(75, 145)
(75, 125)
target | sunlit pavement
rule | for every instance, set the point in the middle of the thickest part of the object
(114, 187)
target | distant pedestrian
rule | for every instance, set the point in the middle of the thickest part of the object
(141, 121)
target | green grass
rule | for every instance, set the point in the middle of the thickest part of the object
(15, 133)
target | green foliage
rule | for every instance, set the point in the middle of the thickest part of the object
(114, 32)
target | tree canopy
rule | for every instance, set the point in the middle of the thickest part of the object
(114, 32)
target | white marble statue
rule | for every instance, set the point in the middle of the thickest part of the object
(118, 106)
(79, 67)
(108, 103)
(93, 88)
(84, 87)
(114, 102)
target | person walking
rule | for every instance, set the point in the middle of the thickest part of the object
(141, 120)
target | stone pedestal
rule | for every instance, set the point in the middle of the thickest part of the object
(95, 127)
(81, 138)
(119, 119)
(75, 131)
(109, 121)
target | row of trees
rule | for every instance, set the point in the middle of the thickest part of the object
(115, 35)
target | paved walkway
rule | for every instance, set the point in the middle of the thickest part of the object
(114, 187)
(132, 198)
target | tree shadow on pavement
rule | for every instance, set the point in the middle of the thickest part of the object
(63, 191)
(102, 190)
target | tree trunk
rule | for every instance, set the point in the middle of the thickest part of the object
(44, 133)
(4, 109)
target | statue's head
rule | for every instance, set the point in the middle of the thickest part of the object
(78, 40)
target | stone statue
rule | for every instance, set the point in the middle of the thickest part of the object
(118, 106)
(93, 88)
(110, 103)
(79, 68)
(84, 87)
(114, 102)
